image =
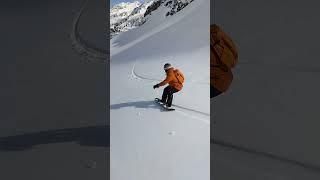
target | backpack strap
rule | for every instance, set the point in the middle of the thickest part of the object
(212, 47)
(220, 65)
(177, 78)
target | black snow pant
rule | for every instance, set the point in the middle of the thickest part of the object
(214, 92)
(167, 95)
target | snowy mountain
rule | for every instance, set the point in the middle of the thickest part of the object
(146, 142)
(173, 6)
(126, 15)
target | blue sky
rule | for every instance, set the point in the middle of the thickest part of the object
(113, 2)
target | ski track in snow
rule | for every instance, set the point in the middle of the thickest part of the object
(207, 121)
(265, 154)
(82, 46)
(137, 76)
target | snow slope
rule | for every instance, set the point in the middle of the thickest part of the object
(146, 142)
(272, 106)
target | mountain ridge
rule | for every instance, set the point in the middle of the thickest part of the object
(126, 15)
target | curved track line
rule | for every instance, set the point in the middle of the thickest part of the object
(137, 76)
(83, 46)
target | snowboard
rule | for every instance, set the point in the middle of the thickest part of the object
(158, 101)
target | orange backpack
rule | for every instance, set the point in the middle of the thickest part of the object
(179, 75)
(224, 48)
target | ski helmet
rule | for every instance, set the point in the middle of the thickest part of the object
(167, 66)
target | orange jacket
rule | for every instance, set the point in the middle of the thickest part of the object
(172, 80)
(220, 74)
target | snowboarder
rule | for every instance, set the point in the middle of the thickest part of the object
(175, 79)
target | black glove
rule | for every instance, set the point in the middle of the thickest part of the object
(156, 86)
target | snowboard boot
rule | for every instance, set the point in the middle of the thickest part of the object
(161, 101)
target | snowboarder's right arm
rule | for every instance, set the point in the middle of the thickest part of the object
(167, 80)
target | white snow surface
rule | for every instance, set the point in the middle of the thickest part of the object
(147, 142)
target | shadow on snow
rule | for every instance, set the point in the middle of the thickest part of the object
(138, 104)
(86, 136)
